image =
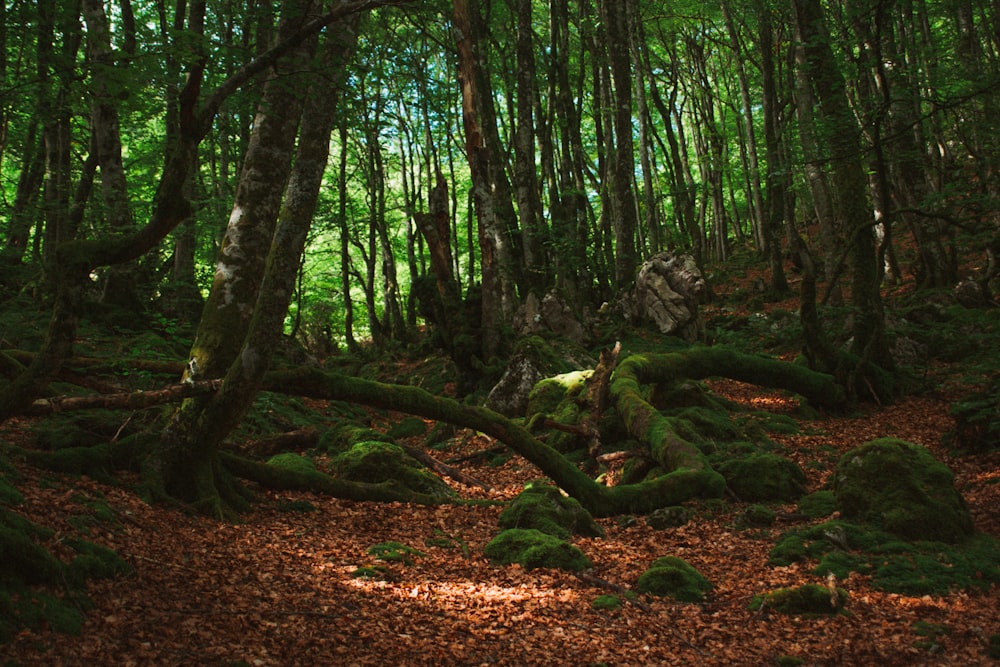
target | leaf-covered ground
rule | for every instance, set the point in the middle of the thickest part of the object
(278, 588)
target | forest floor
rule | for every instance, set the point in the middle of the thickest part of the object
(277, 588)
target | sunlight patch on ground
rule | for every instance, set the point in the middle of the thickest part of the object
(463, 593)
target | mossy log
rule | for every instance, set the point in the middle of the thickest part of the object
(599, 500)
(646, 424)
(276, 477)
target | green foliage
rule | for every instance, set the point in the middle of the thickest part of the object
(763, 477)
(534, 549)
(374, 461)
(805, 600)
(293, 462)
(901, 488)
(544, 507)
(673, 577)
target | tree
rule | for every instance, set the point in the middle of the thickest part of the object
(244, 314)
(851, 204)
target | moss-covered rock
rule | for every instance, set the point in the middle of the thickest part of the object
(374, 462)
(533, 549)
(764, 477)
(809, 599)
(673, 577)
(758, 515)
(606, 603)
(545, 508)
(895, 565)
(818, 504)
(293, 462)
(548, 394)
(901, 488)
(668, 517)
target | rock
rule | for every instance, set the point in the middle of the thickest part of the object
(901, 488)
(509, 396)
(764, 477)
(667, 292)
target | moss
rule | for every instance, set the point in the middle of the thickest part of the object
(896, 566)
(293, 462)
(95, 562)
(301, 506)
(374, 462)
(818, 504)
(805, 600)
(26, 561)
(901, 488)
(673, 577)
(606, 602)
(545, 508)
(533, 549)
(713, 423)
(758, 515)
(763, 477)
(376, 572)
(395, 552)
(408, 427)
(993, 647)
(789, 661)
(668, 517)
(547, 395)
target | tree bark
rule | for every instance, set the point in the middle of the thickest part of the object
(259, 261)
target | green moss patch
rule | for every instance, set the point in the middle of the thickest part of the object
(29, 572)
(606, 602)
(374, 462)
(395, 552)
(533, 549)
(293, 462)
(668, 517)
(901, 488)
(807, 600)
(818, 504)
(895, 565)
(764, 477)
(673, 577)
(545, 508)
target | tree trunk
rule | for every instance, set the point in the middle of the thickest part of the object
(775, 180)
(850, 184)
(244, 316)
(491, 192)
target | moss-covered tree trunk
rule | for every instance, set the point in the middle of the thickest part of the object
(689, 475)
(244, 315)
